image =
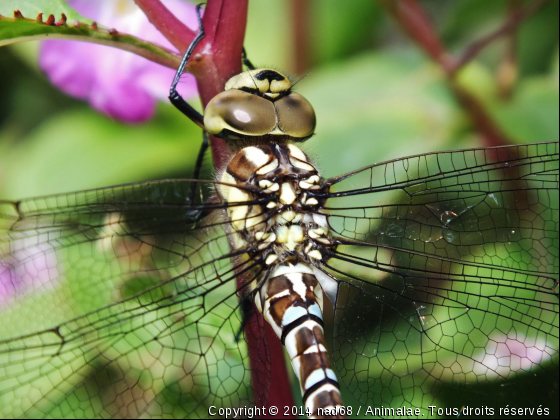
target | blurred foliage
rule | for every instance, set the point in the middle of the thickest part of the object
(463, 21)
(377, 97)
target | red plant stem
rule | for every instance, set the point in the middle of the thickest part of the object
(280, 392)
(410, 15)
(514, 20)
(176, 32)
(492, 135)
(303, 53)
(271, 386)
(216, 59)
(412, 18)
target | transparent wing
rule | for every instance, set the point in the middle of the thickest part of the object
(448, 278)
(122, 302)
(127, 295)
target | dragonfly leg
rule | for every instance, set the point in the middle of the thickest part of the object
(174, 97)
(198, 166)
(198, 213)
(246, 62)
(246, 314)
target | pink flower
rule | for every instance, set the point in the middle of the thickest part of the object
(25, 271)
(115, 82)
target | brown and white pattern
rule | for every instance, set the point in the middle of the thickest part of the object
(290, 238)
(292, 302)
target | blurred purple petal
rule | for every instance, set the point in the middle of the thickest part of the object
(6, 283)
(115, 82)
(26, 271)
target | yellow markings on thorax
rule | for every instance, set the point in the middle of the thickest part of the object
(268, 168)
(265, 239)
(256, 156)
(298, 158)
(289, 236)
(241, 216)
(287, 193)
(269, 186)
(311, 183)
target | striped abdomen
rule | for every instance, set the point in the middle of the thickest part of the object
(291, 300)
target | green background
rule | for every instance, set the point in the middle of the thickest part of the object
(376, 95)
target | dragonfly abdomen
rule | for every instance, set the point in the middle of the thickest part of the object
(291, 301)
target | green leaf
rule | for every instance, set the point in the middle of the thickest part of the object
(79, 149)
(55, 20)
(532, 115)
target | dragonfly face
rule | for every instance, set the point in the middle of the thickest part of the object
(441, 270)
(259, 106)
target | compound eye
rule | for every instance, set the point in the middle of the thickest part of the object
(240, 112)
(296, 116)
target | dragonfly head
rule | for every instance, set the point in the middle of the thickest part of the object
(259, 106)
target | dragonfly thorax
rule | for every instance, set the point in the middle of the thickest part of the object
(259, 106)
(282, 222)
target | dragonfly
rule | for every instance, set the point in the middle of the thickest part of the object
(401, 284)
